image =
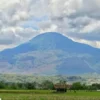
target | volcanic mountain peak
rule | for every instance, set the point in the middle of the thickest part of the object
(50, 53)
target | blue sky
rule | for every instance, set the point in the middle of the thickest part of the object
(33, 22)
(20, 20)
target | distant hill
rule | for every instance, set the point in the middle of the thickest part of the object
(50, 53)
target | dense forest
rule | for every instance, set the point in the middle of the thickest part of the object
(46, 85)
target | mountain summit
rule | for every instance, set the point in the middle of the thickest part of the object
(50, 53)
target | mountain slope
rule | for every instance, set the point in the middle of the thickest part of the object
(51, 41)
(50, 53)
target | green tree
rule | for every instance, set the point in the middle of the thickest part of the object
(77, 86)
(2, 85)
(30, 85)
(47, 85)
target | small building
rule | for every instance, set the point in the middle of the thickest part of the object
(60, 87)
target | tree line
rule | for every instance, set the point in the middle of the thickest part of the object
(80, 86)
(46, 85)
(27, 85)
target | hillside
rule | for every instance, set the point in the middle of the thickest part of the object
(50, 54)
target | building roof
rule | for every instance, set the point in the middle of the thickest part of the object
(61, 86)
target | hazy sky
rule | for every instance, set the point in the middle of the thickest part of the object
(20, 20)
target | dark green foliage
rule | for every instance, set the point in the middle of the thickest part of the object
(47, 85)
(91, 88)
(79, 86)
(2, 85)
(30, 85)
(96, 86)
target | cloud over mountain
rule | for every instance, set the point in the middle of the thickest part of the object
(21, 20)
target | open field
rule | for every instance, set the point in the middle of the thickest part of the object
(47, 95)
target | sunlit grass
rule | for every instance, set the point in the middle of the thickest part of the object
(47, 95)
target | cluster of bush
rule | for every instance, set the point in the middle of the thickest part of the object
(46, 85)
(27, 85)
(79, 86)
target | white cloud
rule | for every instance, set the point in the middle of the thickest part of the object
(5, 3)
(16, 35)
(92, 27)
(77, 19)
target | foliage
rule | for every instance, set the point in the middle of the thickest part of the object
(47, 85)
(77, 86)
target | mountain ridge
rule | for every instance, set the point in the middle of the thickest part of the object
(50, 53)
(49, 37)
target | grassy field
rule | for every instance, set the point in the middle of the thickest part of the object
(47, 95)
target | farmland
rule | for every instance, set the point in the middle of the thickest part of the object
(47, 95)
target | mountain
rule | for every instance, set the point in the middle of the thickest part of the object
(50, 53)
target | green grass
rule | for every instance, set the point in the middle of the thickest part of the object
(47, 95)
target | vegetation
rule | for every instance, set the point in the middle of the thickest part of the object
(42, 88)
(45, 91)
(27, 86)
(79, 86)
(46, 85)
(47, 95)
